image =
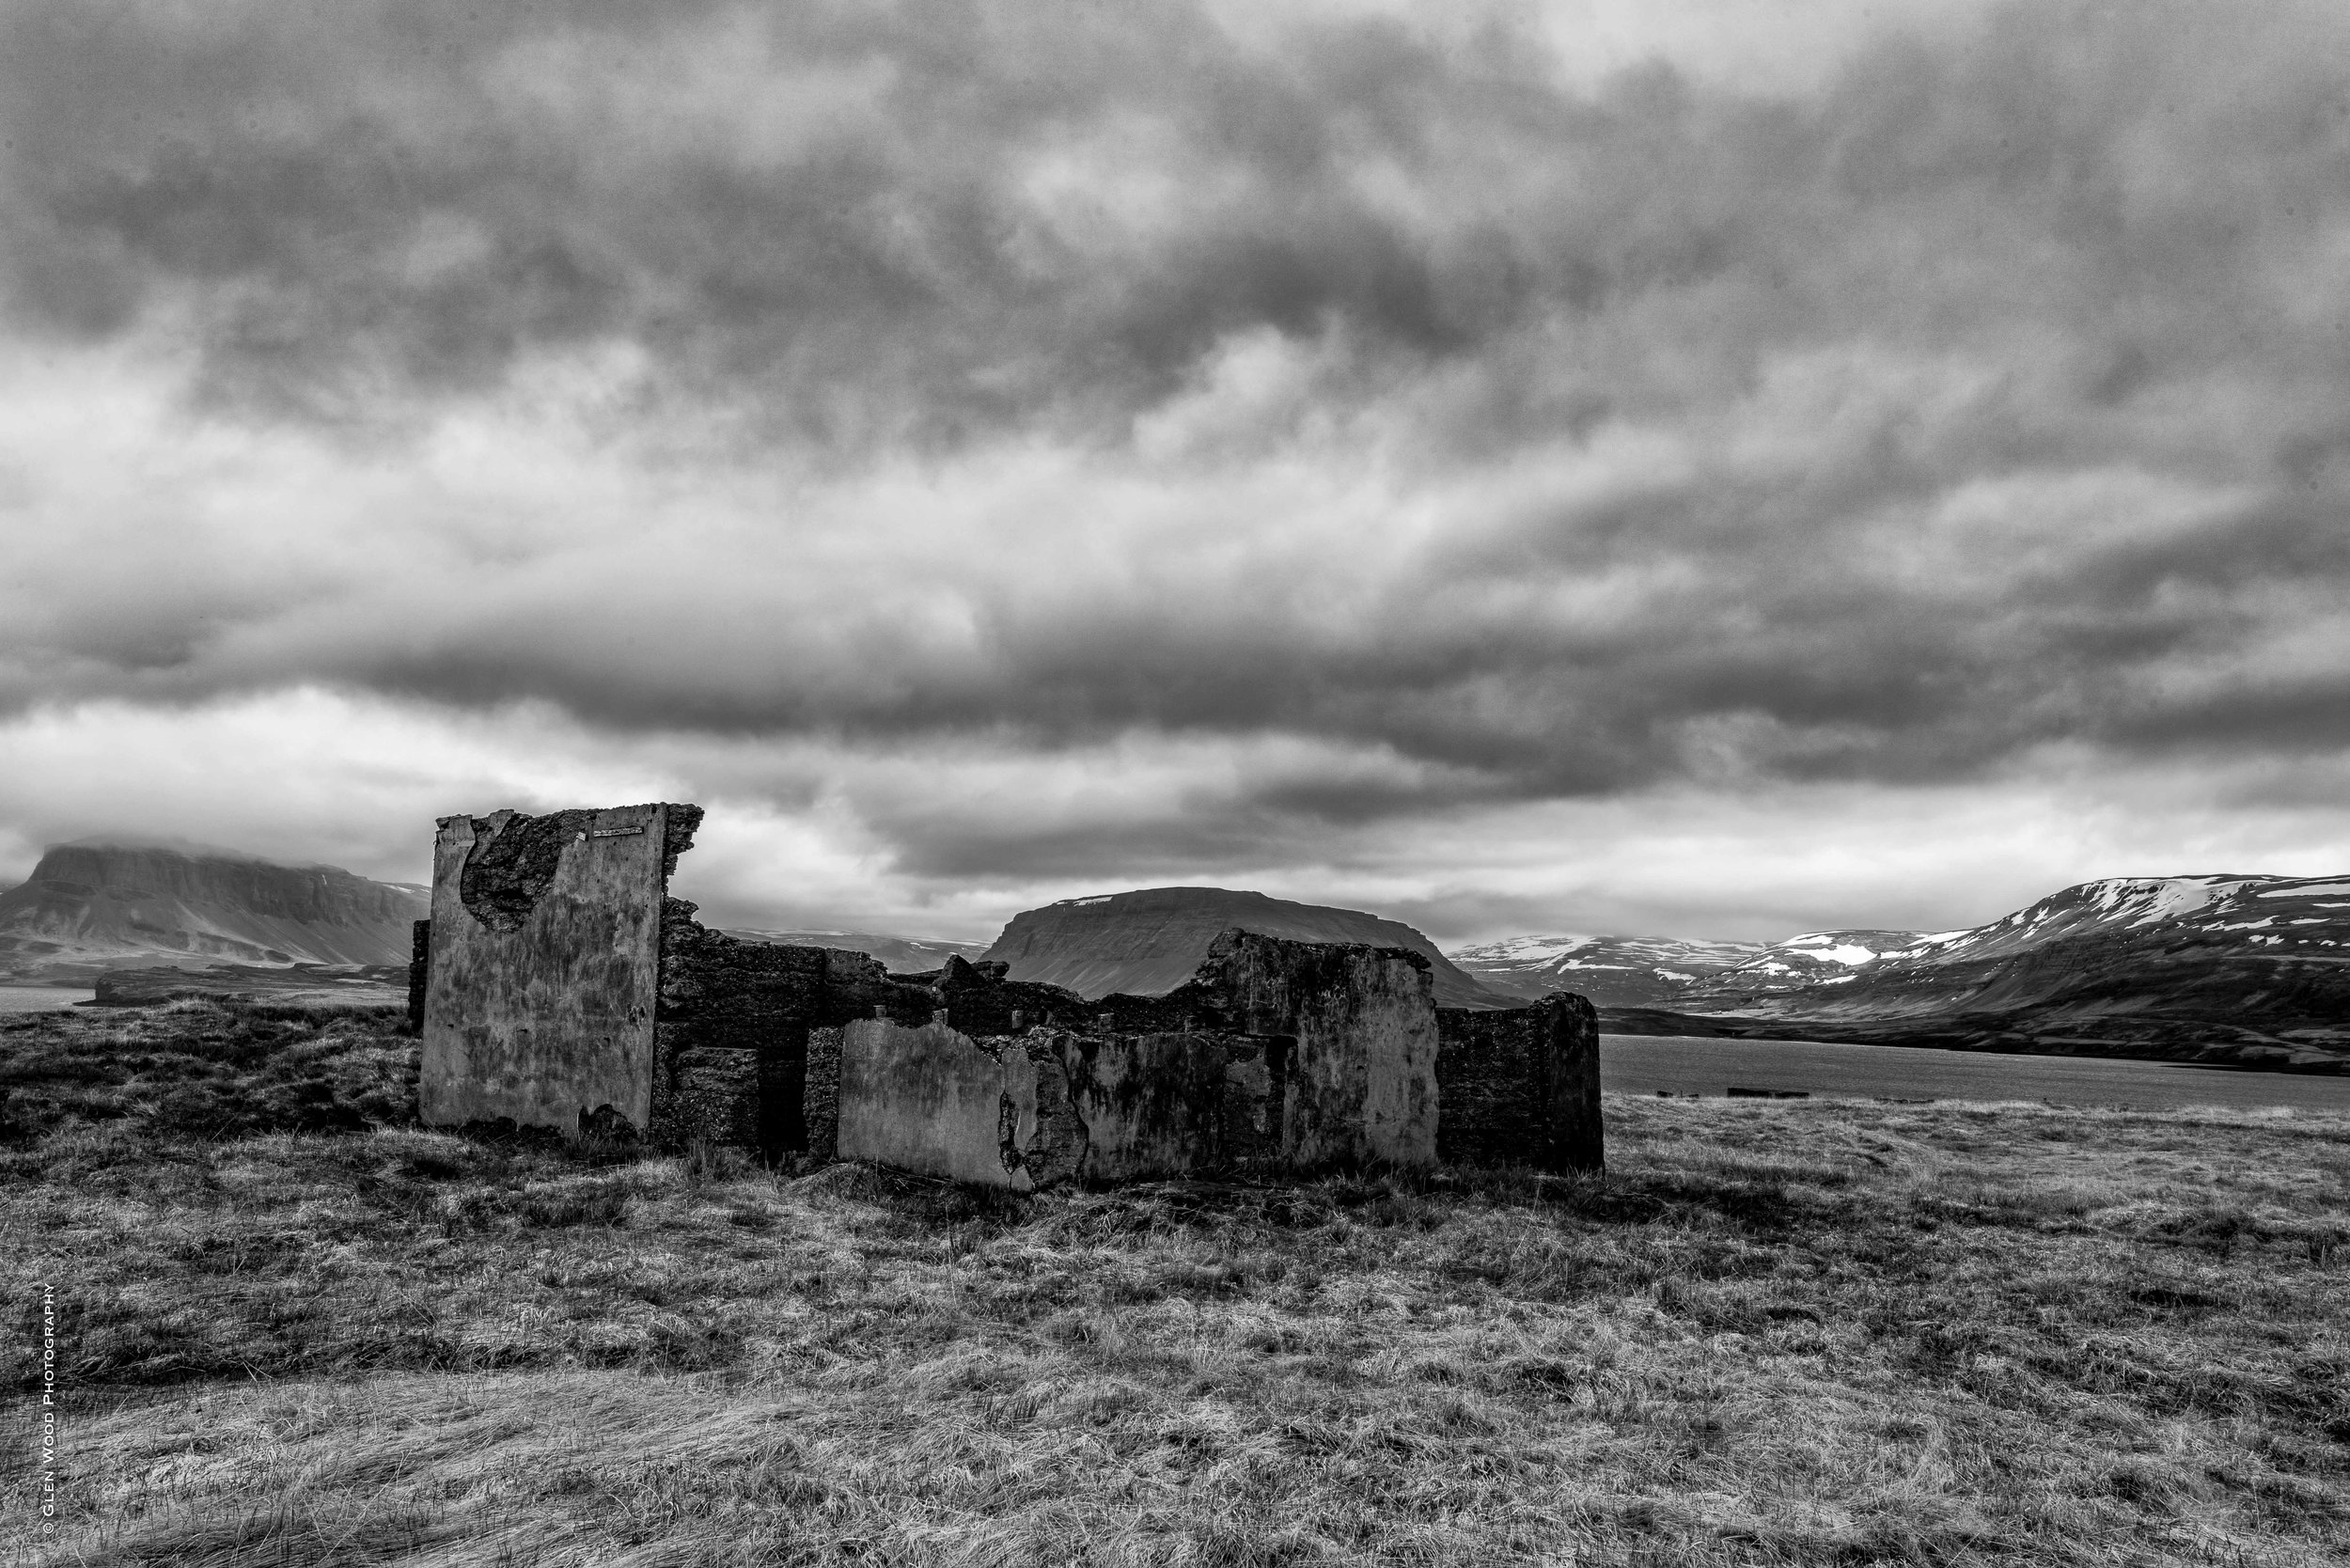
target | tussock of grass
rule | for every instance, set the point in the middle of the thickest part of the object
(1793, 1332)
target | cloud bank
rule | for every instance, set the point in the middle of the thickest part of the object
(1042, 444)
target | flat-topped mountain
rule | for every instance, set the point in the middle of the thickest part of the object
(1150, 941)
(2251, 970)
(97, 905)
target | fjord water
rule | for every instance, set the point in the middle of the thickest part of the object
(1685, 1064)
(40, 998)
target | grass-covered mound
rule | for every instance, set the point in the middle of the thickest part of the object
(298, 1328)
(204, 1068)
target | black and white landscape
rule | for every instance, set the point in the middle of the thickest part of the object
(1823, 528)
(2220, 970)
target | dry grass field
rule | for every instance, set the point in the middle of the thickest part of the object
(298, 1329)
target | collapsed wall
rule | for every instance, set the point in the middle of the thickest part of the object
(747, 1046)
(1276, 1055)
(560, 986)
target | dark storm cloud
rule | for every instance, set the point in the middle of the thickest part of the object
(1988, 396)
(872, 272)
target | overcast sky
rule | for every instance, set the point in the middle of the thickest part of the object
(1746, 469)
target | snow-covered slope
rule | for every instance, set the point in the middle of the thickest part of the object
(2135, 913)
(1612, 971)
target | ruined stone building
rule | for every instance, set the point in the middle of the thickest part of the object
(557, 985)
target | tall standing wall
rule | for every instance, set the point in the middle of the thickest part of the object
(543, 965)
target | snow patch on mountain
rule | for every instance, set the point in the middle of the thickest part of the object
(2308, 890)
(1828, 949)
(1534, 949)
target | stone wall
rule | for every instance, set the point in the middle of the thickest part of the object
(1521, 1085)
(543, 965)
(419, 969)
(819, 1094)
(729, 1038)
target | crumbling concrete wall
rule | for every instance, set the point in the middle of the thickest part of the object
(933, 1099)
(543, 965)
(1277, 1053)
(1039, 1109)
(1521, 1085)
(1028, 1111)
(1357, 1032)
(557, 985)
(1362, 1076)
(1170, 1103)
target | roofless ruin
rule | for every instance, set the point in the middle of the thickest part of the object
(557, 985)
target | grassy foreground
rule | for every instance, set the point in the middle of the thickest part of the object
(297, 1329)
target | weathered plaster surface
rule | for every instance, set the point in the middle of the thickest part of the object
(931, 1097)
(545, 1014)
(1362, 1068)
(1277, 1054)
(1163, 1105)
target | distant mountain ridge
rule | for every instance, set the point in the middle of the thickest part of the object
(2246, 970)
(100, 904)
(1612, 971)
(900, 956)
(1149, 941)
